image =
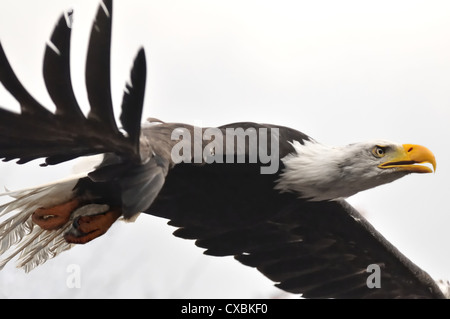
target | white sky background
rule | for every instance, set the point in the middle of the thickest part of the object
(339, 71)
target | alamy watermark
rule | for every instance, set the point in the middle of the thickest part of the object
(374, 279)
(73, 280)
(236, 145)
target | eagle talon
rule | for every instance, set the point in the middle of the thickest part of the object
(87, 228)
(54, 217)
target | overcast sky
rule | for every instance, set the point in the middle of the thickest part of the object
(339, 71)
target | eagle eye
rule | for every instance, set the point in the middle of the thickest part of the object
(379, 151)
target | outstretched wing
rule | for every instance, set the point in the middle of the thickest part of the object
(318, 249)
(36, 132)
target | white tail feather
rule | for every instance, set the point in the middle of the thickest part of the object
(46, 246)
(34, 244)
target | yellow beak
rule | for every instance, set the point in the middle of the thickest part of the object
(407, 158)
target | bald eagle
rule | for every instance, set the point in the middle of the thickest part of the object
(271, 196)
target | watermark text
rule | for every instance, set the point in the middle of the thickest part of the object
(235, 145)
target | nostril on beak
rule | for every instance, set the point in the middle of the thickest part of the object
(410, 149)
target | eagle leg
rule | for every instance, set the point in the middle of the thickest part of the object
(87, 228)
(55, 217)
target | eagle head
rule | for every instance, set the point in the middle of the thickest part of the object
(319, 172)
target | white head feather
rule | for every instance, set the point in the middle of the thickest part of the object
(319, 172)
